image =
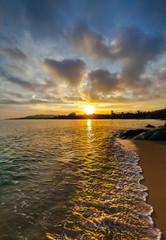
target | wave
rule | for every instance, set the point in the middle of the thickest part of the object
(110, 202)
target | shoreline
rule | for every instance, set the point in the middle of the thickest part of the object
(153, 163)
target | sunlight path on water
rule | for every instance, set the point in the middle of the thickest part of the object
(70, 179)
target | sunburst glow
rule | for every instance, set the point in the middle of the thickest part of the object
(89, 109)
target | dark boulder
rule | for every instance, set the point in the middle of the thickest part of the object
(159, 135)
(144, 135)
(131, 133)
(150, 126)
(156, 134)
(162, 127)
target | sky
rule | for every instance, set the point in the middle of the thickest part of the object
(57, 56)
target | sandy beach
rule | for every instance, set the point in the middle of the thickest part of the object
(153, 163)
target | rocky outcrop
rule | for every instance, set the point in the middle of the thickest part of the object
(157, 134)
(144, 135)
(150, 126)
(131, 133)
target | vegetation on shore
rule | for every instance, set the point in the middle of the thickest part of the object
(157, 114)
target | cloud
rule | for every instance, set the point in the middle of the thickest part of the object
(109, 34)
(102, 80)
(8, 102)
(43, 19)
(13, 94)
(14, 53)
(100, 85)
(26, 102)
(90, 43)
(27, 85)
(29, 102)
(71, 71)
(103, 86)
(44, 16)
(131, 44)
(162, 74)
(24, 84)
(134, 48)
(137, 48)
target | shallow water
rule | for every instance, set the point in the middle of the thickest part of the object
(70, 179)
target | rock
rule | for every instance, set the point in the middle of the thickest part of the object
(162, 127)
(131, 133)
(150, 126)
(159, 135)
(144, 135)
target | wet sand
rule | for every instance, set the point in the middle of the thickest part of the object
(153, 163)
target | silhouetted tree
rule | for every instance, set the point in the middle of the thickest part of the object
(73, 114)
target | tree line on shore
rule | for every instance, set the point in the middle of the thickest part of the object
(157, 114)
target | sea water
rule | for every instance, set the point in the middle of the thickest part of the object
(71, 179)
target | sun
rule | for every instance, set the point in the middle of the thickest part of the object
(89, 109)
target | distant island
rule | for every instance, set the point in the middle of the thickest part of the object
(157, 114)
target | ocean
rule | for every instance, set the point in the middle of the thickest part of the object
(71, 179)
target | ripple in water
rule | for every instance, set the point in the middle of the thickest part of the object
(71, 180)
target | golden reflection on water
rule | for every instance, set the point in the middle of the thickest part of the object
(89, 125)
(89, 132)
(87, 185)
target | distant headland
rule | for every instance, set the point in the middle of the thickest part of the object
(157, 114)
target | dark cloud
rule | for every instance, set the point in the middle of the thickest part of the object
(105, 86)
(31, 86)
(73, 99)
(90, 43)
(4, 40)
(128, 33)
(128, 43)
(14, 94)
(132, 46)
(49, 18)
(45, 18)
(132, 41)
(8, 102)
(12, 13)
(103, 81)
(100, 85)
(14, 53)
(42, 18)
(25, 84)
(162, 74)
(69, 70)
(137, 48)
(28, 102)
(108, 14)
